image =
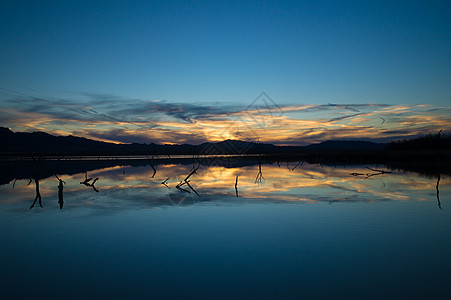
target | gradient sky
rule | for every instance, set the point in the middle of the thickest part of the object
(187, 71)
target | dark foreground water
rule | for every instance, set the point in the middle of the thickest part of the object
(290, 232)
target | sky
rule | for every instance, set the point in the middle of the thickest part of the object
(284, 72)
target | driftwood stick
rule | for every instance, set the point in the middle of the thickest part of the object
(191, 173)
(259, 176)
(164, 182)
(189, 185)
(60, 191)
(299, 163)
(357, 174)
(438, 191)
(376, 170)
(182, 189)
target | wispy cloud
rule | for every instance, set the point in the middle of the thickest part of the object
(110, 118)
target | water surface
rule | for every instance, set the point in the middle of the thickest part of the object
(292, 230)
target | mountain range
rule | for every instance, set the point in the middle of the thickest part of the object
(41, 143)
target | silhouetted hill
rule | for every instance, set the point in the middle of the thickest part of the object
(44, 143)
(427, 142)
(436, 156)
(346, 145)
(41, 143)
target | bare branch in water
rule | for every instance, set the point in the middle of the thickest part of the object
(376, 170)
(38, 194)
(164, 182)
(299, 163)
(191, 173)
(181, 183)
(186, 181)
(438, 191)
(60, 191)
(189, 185)
(154, 171)
(236, 185)
(87, 180)
(194, 167)
(151, 165)
(438, 171)
(182, 189)
(357, 174)
(36, 181)
(259, 177)
(368, 175)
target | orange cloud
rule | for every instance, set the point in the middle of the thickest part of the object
(162, 122)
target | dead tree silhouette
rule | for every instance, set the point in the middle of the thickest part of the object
(187, 182)
(438, 191)
(38, 194)
(36, 181)
(259, 177)
(438, 170)
(87, 180)
(299, 164)
(151, 165)
(236, 186)
(368, 175)
(60, 191)
(164, 182)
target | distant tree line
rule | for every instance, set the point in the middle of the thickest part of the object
(426, 142)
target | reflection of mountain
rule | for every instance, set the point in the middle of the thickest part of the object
(404, 155)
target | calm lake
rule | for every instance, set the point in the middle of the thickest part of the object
(224, 231)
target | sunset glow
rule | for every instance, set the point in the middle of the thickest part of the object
(163, 123)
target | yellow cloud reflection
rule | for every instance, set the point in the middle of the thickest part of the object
(289, 182)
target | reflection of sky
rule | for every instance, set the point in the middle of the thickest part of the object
(294, 232)
(134, 188)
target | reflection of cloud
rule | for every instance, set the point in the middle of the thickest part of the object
(109, 118)
(128, 188)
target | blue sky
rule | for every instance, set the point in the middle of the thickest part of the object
(227, 52)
